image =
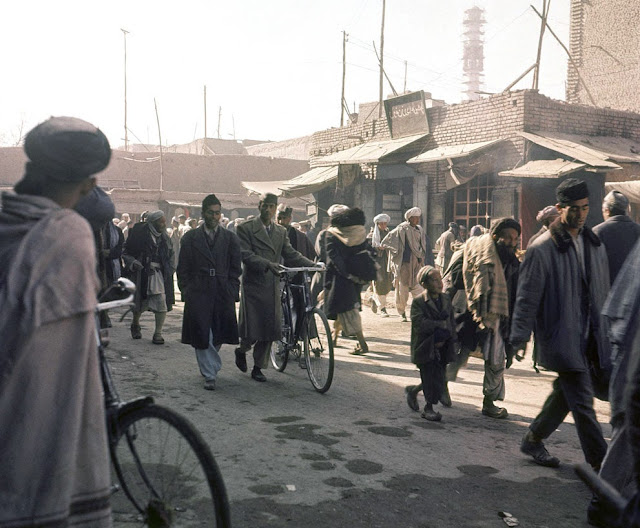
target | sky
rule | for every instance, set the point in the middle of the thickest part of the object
(272, 68)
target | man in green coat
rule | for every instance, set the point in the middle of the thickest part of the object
(264, 243)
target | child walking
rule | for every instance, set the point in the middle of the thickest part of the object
(432, 341)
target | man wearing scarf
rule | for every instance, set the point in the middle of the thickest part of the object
(545, 216)
(384, 280)
(406, 243)
(490, 275)
(54, 468)
(148, 255)
(563, 284)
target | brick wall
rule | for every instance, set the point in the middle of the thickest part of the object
(604, 42)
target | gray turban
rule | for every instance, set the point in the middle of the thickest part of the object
(421, 276)
(616, 200)
(336, 208)
(67, 149)
(550, 211)
(154, 215)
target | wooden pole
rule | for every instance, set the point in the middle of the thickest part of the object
(344, 74)
(381, 60)
(219, 118)
(518, 79)
(543, 24)
(126, 129)
(384, 72)
(404, 90)
(160, 143)
(570, 58)
(205, 111)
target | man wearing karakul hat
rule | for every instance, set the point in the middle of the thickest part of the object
(55, 461)
(563, 284)
(406, 243)
(148, 255)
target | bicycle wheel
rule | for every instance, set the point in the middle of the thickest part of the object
(318, 350)
(167, 472)
(279, 355)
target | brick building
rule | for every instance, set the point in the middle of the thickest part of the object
(499, 156)
(604, 44)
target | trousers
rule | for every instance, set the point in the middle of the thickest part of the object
(209, 361)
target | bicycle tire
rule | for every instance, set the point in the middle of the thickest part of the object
(279, 354)
(318, 350)
(167, 472)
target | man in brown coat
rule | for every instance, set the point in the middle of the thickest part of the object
(263, 244)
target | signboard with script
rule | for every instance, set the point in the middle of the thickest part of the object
(407, 115)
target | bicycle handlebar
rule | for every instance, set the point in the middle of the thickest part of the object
(123, 285)
(284, 269)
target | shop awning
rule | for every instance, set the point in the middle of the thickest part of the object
(370, 152)
(308, 182)
(453, 151)
(631, 189)
(599, 152)
(544, 169)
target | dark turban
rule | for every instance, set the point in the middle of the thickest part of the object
(571, 190)
(96, 207)
(66, 149)
(350, 217)
(504, 223)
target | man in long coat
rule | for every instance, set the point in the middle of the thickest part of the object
(209, 272)
(263, 244)
(562, 287)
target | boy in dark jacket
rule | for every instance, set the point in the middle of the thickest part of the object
(432, 341)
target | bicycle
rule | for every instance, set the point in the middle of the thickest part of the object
(310, 326)
(164, 467)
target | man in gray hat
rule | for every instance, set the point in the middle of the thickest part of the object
(618, 232)
(263, 244)
(55, 459)
(562, 287)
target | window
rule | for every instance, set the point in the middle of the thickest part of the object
(472, 202)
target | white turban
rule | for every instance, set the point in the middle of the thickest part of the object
(336, 208)
(381, 218)
(414, 211)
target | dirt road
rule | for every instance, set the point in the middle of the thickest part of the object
(357, 456)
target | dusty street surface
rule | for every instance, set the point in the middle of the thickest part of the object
(357, 456)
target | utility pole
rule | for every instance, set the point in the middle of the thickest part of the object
(543, 24)
(160, 143)
(233, 123)
(205, 111)
(126, 130)
(384, 2)
(219, 118)
(404, 90)
(344, 74)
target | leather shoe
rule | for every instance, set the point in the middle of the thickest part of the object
(136, 332)
(210, 385)
(241, 360)
(412, 398)
(539, 453)
(257, 374)
(445, 397)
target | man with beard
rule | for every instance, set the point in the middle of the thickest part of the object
(209, 271)
(563, 284)
(490, 274)
(263, 243)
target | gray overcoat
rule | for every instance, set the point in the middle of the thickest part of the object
(260, 310)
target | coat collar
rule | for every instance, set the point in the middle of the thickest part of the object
(260, 232)
(201, 244)
(562, 238)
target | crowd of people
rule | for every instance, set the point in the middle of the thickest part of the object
(575, 289)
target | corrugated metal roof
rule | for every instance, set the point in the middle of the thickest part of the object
(544, 169)
(370, 152)
(308, 182)
(452, 151)
(582, 148)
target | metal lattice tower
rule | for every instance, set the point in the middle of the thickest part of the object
(473, 54)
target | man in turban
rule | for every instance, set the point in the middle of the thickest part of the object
(447, 244)
(563, 284)
(545, 217)
(407, 245)
(148, 256)
(490, 277)
(55, 460)
(382, 285)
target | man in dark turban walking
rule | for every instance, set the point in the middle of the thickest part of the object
(563, 284)
(55, 460)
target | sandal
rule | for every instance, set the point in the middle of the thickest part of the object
(357, 351)
(157, 339)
